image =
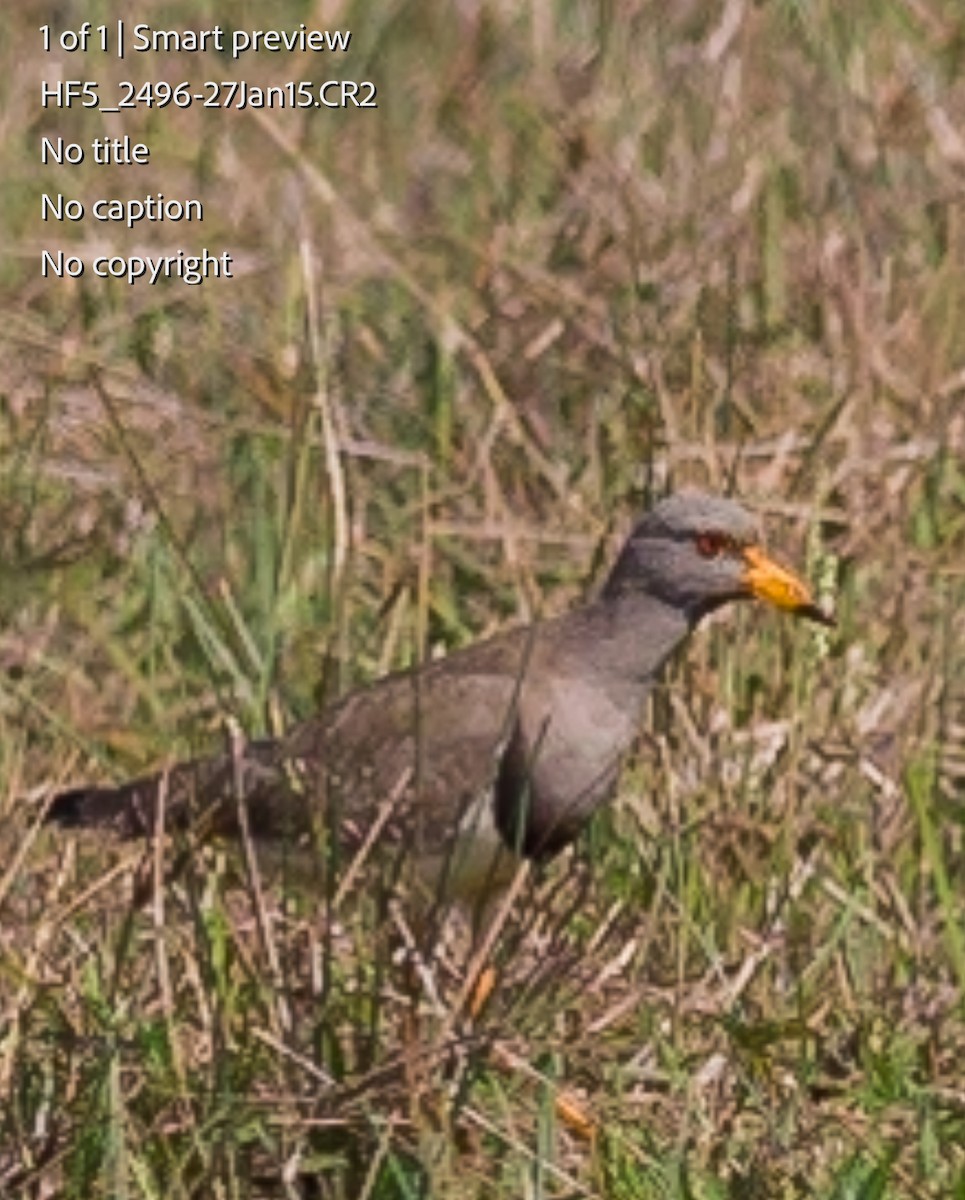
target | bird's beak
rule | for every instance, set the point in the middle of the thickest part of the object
(766, 580)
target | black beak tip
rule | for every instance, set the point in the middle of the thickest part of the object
(813, 612)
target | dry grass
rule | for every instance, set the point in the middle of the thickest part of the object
(581, 252)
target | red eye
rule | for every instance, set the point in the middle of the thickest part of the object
(710, 545)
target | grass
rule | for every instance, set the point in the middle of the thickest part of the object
(581, 253)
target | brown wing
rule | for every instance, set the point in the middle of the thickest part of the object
(410, 752)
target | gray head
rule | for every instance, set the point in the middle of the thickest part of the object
(694, 552)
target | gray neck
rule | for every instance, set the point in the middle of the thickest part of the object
(580, 717)
(624, 640)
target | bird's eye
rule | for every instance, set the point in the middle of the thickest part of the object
(711, 545)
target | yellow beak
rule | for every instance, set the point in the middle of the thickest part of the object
(768, 581)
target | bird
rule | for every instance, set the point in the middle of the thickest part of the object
(495, 755)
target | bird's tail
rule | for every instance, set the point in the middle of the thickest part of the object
(202, 788)
(85, 806)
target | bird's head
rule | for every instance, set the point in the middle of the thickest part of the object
(696, 552)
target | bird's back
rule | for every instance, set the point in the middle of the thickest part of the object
(409, 753)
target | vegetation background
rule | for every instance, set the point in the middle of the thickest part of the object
(583, 251)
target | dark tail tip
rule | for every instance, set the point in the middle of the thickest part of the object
(70, 809)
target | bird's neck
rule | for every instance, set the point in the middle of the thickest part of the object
(627, 638)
